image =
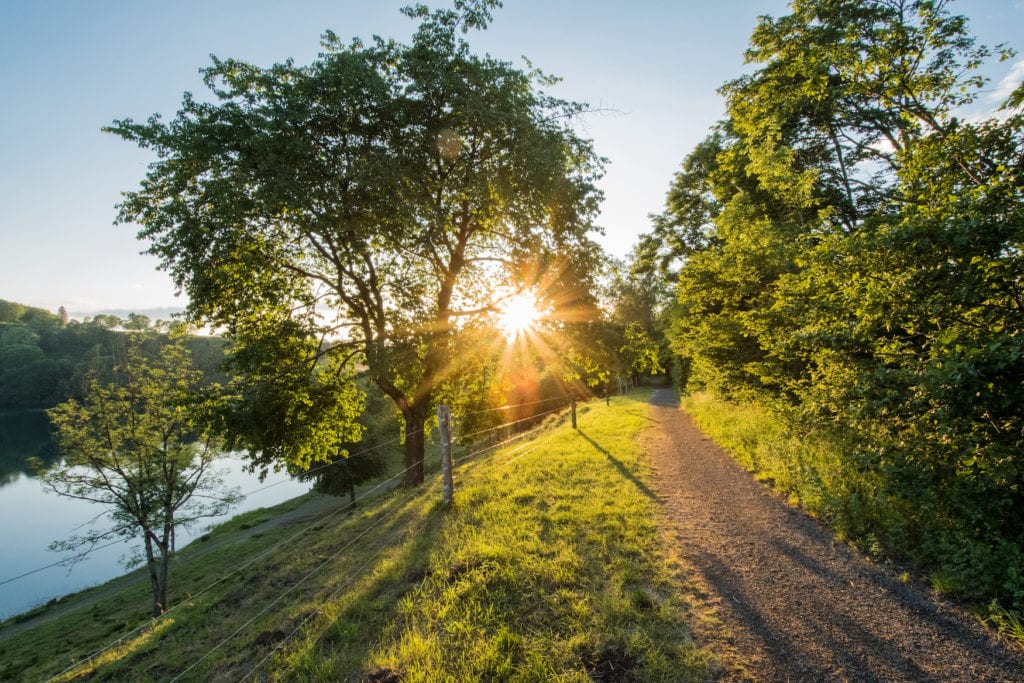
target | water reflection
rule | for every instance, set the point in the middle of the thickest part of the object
(31, 518)
(23, 435)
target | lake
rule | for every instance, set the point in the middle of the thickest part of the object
(31, 518)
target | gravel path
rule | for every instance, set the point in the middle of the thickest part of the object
(783, 600)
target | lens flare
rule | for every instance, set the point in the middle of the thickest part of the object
(518, 314)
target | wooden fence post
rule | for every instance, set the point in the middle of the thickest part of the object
(444, 418)
(574, 413)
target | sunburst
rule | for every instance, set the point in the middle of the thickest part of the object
(519, 314)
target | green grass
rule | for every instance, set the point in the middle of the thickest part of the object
(810, 468)
(549, 567)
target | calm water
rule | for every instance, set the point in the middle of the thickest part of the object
(30, 518)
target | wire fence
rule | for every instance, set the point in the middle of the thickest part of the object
(463, 460)
(77, 557)
(255, 558)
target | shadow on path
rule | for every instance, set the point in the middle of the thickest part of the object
(799, 604)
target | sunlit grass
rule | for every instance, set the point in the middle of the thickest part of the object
(1009, 624)
(549, 567)
(809, 468)
(138, 644)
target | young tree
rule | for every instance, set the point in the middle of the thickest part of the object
(136, 446)
(373, 202)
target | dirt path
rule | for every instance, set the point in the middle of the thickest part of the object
(789, 602)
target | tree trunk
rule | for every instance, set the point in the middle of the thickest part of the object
(157, 568)
(414, 443)
(160, 596)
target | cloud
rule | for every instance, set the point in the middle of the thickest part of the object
(1008, 83)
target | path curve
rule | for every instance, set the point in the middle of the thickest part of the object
(789, 601)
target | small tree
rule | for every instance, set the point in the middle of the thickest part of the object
(135, 446)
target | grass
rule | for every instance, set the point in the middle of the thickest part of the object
(811, 468)
(548, 567)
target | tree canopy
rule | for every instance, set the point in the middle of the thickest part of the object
(847, 246)
(372, 204)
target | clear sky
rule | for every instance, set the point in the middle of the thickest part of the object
(72, 66)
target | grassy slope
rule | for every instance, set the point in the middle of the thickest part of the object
(548, 568)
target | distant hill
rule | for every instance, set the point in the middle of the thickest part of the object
(45, 356)
(165, 313)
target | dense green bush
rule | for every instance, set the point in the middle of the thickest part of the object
(851, 257)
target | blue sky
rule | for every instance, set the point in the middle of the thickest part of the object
(71, 67)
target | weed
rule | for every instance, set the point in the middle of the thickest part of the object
(1007, 623)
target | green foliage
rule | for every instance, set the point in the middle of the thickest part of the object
(137, 447)
(376, 198)
(45, 360)
(355, 463)
(640, 351)
(24, 435)
(10, 311)
(288, 403)
(850, 254)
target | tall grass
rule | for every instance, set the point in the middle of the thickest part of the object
(809, 467)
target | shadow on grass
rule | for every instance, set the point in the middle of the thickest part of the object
(643, 415)
(390, 563)
(623, 470)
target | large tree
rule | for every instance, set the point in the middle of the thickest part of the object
(852, 246)
(372, 202)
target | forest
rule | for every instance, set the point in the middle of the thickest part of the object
(45, 356)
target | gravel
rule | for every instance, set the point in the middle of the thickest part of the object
(778, 598)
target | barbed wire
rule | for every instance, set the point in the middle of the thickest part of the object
(351, 578)
(64, 561)
(504, 425)
(392, 442)
(192, 597)
(79, 556)
(387, 544)
(516, 405)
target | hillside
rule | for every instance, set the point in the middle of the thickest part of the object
(549, 566)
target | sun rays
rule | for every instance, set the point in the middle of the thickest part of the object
(519, 314)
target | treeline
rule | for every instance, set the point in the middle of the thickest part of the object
(845, 247)
(45, 357)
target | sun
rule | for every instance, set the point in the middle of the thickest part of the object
(518, 314)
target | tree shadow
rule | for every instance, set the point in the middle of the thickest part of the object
(810, 607)
(621, 467)
(344, 623)
(643, 415)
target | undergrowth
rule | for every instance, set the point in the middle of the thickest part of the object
(818, 471)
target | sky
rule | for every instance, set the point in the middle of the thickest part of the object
(652, 68)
